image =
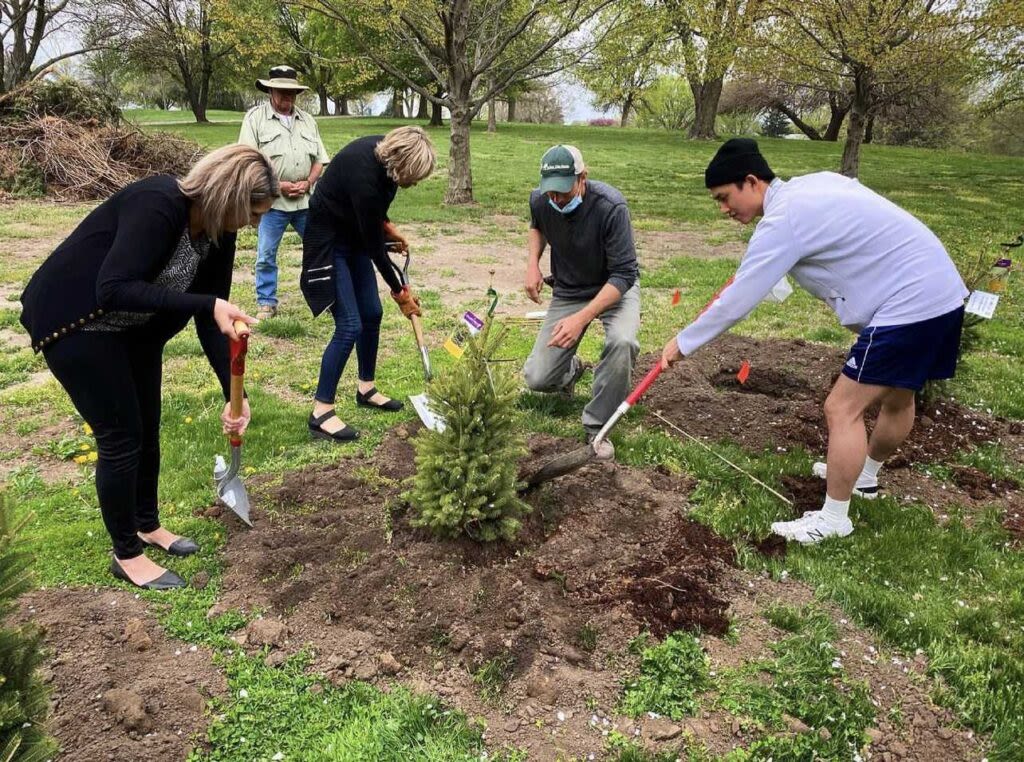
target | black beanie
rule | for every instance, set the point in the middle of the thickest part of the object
(737, 158)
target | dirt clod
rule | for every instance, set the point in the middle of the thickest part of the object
(128, 708)
(136, 637)
(267, 632)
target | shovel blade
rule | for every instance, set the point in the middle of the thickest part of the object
(232, 493)
(230, 490)
(431, 420)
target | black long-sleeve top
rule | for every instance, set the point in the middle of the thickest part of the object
(109, 263)
(346, 215)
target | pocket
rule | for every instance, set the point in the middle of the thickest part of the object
(271, 143)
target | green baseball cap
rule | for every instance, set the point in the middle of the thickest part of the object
(559, 168)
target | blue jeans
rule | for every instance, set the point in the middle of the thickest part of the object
(357, 313)
(272, 227)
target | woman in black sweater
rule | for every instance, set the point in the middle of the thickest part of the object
(346, 231)
(104, 303)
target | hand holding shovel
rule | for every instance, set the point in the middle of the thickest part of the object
(230, 489)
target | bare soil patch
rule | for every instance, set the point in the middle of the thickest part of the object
(779, 408)
(605, 555)
(120, 689)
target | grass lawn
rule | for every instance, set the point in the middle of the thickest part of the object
(955, 591)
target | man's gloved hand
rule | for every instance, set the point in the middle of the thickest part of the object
(407, 302)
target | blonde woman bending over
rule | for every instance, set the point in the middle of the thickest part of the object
(346, 234)
(103, 305)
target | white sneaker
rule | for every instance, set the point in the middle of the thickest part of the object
(812, 528)
(865, 487)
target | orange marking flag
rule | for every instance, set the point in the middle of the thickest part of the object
(744, 373)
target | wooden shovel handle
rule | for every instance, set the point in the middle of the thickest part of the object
(239, 349)
(417, 328)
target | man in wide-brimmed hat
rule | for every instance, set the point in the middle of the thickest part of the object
(289, 137)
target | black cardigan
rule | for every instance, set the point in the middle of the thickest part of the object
(109, 262)
(347, 210)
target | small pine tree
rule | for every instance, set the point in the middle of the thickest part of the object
(467, 476)
(774, 124)
(23, 698)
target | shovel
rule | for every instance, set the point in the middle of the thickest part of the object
(230, 489)
(570, 461)
(419, 401)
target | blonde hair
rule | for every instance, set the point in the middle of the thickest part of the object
(407, 154)
(226, 183)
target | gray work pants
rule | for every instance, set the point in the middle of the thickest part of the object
(552, 369)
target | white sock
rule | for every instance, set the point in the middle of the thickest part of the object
(871, 468)
(835, 511)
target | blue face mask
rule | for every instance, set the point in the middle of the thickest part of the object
(572, 206)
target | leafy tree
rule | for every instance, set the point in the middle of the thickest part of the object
(881, 50)
(467, 476)
(474, 49)
(710, 32)
(30, 30)
(668, 104)
(627, 62)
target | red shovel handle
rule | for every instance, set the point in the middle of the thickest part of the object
(239, 348)
(642, 387)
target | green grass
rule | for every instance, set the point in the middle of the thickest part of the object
(901, 574)
(672, 675)
(287, 713)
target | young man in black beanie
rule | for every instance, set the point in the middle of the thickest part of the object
(886, 276)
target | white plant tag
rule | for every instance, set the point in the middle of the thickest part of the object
(982, 303)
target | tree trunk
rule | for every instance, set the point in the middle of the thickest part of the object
(436, 109)
(511, 109)
(627, 107)
(492, 116)
(859, 114)
(321, 92)
(835, 121)
(800, 124)
(869, 130)
(398, 104)
(424, 109)
(460, 172)
(705, 101)
(342, 105)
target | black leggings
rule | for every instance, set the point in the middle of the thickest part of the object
(113, 380)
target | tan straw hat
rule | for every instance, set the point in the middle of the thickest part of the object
(281, 78)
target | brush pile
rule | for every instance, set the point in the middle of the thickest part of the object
(68, 141)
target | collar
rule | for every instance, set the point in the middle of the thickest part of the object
(272, 114)
(773, 188)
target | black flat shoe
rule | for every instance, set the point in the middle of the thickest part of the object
(364, 400)
(183, 546)
(347, 434)
(166, 581)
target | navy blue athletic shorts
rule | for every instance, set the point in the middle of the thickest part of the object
(905, 356)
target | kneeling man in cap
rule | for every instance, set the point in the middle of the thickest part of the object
(885, 275)
(594, 275)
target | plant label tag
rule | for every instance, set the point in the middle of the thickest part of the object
(456, 343)
(473, 322)
(982, 303)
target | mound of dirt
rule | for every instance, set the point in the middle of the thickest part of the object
(780, 405)
(605, 554)
(120, 689)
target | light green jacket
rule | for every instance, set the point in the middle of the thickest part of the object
(293, 152)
